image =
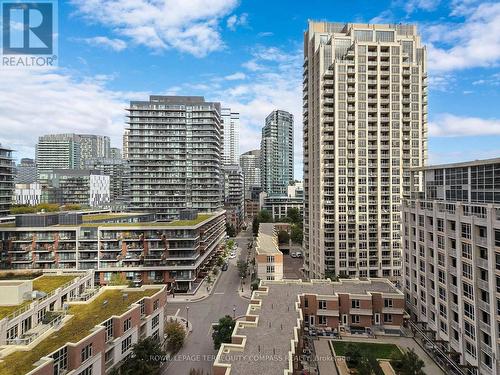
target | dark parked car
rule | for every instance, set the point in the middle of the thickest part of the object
(224, 267)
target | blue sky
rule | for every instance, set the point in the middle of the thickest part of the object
(247, 55)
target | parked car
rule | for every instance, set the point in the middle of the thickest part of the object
(298, 254)
(293, 255)
(224, 267)
(232, 256)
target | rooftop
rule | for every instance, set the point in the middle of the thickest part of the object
(279, 311)
(470, 163)
(176, 223)
(266, 240)
(84, 318)
(45, 283)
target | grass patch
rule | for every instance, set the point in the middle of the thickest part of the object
(175, 223)
(96, 217)
(44, 284)
(380, 351)
(85, 317)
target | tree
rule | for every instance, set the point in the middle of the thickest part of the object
(283, 237)
(220, 261)
(331, 275)
(296, 234)
(352, 355)
(147, 358)
(255, 226)
(411, 364)
(230, 230)
(118, 279)
(242, 268)
(265, 216)
(294, 216)
(175, 336)
(230, 244)
(223, 331)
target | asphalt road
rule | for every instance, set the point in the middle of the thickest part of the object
(198, 351)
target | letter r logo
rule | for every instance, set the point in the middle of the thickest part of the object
(27, 28)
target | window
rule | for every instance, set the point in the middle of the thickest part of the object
(468, 290)
(108, 356)
(270, 259)
(126, 344)
(355, 304)
(270, 269)
(108, 324)
(127, 323)
(321, 319)
(466, 230)
(86, 352)
(87, 371)
(306, 302)
(387, 302)
(12, 333)
(469, 310)
(469, 330)
(470, 348)
(60, 360)
(322, 305)
(354, 319)
(156, 304)
(155, 321)
(388, 318)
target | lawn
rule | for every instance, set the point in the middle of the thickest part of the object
(154, 224)
(44, 284)
(380, 351)
(85, 317)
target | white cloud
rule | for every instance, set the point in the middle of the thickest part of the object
(427, 5)
(449, 125)
(264, 34)
(188, 26)
(103, 41)
(493, 80)
(386, 16)
(68, 105)
(472, 43)
(234, 21)
(235, 77)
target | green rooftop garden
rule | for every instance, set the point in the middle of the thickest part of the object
(175, 223)
(45, 283)
(99, 217)
(85, 317)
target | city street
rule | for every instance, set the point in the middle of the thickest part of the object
(198, 351)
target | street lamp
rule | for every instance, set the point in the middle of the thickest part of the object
(187, 317)
(242, 284)
(234, 312)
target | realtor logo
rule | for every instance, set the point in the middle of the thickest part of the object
(28, 30)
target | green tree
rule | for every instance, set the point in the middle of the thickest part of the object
(147, 358)
(283, 237)
(220, 261)
(230, 230)
(297, 234)
(294, 216)
(352, 355)
(242, 268)
(223, 331)
(411, 364)
(331, 275)
(118, 279)
(255, 226)
(175, 336)
(265, 216)
(230, 244)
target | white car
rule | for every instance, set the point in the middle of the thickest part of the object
(232, 256)
(293, 255)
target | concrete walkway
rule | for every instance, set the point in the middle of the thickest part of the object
(404, 343)
(324, 358)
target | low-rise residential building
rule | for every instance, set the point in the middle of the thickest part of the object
(28, 194)
(133, 245)
(278, 206)
(451, 242)
(268, 257)
(269, 339)
(76, 329)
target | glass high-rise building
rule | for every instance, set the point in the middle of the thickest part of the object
(276, 150)
(365, 124)
(174, 149)
(230, 136)
(250, 165)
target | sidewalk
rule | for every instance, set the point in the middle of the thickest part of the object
(247, 289)
(201, 293)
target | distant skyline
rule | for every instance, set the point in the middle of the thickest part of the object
(241, 54)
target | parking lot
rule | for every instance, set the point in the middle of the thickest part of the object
(292, 266)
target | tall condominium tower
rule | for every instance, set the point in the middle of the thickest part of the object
(94, 146)
(57, 151)
(25, 171)
(365, 123)
(451, 242)
(174, 151)
(6, 180)
(250, 165)
(276, 149)
(231, 136)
